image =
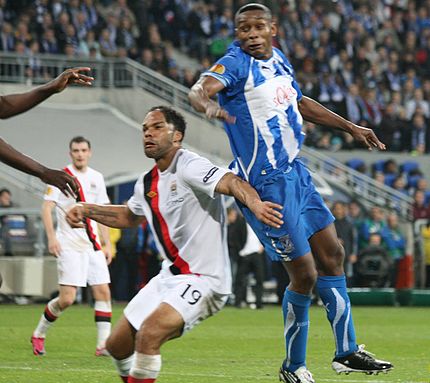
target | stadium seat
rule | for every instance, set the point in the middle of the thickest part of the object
(355, 163)
(378, 166)
(389, 179)
(412, 181)
(409, 166)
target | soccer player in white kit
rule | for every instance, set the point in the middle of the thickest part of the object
(80, 258)
(181, 199)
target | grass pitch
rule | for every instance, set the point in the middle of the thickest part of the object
(239, 346)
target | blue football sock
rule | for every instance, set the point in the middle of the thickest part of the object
(332, 290)
(295, 307)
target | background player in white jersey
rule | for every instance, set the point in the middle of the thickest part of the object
(180, 197)
(263, 109)
(80, 258)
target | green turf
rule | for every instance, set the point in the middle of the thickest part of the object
(239, 346)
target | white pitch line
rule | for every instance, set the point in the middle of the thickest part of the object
(221, 376)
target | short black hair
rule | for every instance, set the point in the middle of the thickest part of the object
(172, 117)
(5, 190)
(254, 7)
(78, 140)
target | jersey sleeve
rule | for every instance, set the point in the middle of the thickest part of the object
(202, 175)
(135, 203)
(51, 193)
(227, 70)
(102, 197)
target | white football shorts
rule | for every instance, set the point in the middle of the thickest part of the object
(79, 268)
(191, 295)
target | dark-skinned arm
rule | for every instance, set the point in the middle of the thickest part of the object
(20, 161)
(200, 98)
(13, 104)
(313, 111)
(267, 212)
(118, 216)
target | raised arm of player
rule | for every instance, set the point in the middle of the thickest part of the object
(265, 211)
(314, 112)
(118, 216)
(200, 98)
(13, 104)
(20, 161)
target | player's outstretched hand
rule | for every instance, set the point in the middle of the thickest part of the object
(71, 76)
(75, 216)
(367, 137)
(63, 181)
(268, 213)
(213, 110)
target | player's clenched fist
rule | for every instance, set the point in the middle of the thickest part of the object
(75, 216)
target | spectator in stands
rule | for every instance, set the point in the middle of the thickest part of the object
(355, 214)
(373, 107)
(391, 129)
(125, 265)
(347, 236)
(417, 102)
(374, 264)
(399, 184)
(236, 238)
(125, 35)
(422, 185)
(108, 46)
(49, 43)
(88, 44)
(220, 42)
(355, 106)
(391, 167)
(12, 225)
(7, 38)
(395, 242)
(251, 259)
(420, 209)
(419, 134)
(374, 224)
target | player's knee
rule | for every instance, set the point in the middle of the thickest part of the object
(66, 302)
(308, 279)
(304, 281)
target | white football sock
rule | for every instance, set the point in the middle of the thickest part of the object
(49, 316)
(145, 366)
(103, 315)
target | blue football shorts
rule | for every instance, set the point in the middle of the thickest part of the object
(304, 212)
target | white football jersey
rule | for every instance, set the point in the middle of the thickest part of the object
(187, 217)
(92, 190)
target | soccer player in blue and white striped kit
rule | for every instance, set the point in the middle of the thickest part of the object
(263, 110)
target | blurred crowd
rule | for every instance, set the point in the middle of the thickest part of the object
(368, 61)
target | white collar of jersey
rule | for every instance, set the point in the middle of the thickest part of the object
(171, 168)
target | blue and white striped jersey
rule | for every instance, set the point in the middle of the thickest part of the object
(263, 96)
